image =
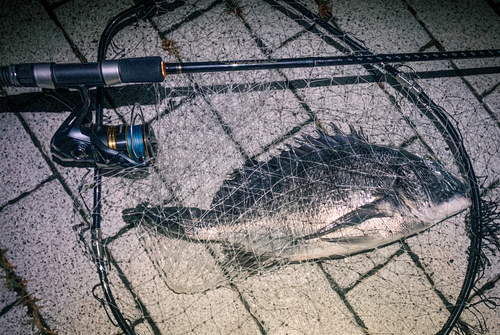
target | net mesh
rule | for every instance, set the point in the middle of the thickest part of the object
(175, 267)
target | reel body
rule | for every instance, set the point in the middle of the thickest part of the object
(80, 143)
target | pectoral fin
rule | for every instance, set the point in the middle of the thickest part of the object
(350, 239)
(369, 211)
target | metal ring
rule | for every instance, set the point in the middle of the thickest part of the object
(110, 72)
(43, 75)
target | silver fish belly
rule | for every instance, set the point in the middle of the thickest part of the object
(334, 195)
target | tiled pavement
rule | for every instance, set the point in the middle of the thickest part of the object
(38, 197)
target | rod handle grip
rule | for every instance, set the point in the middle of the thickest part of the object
(109, 72)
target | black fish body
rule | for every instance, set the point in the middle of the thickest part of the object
(331, 196)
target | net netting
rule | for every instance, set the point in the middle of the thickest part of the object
(201, 245)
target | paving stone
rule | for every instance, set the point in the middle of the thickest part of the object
(493, 102)
(29, 35)
(479, 130)
(484, 83)
(46, 251)
(22, 166)
(399, 280)
(84, 22)
(175, 303)
(460, 25)
(44, 126)
(14, 322)
(381, 26)
(296, 298)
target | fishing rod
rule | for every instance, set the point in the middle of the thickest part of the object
(153, 69)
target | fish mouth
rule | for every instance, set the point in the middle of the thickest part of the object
(439, 211)
(461, 190)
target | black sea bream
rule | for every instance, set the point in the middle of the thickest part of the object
(333, 195)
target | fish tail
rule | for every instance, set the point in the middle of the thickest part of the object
(134, 215)
(169, 220)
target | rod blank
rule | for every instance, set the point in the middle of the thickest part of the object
(360, 59)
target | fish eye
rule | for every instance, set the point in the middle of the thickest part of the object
(440, 172)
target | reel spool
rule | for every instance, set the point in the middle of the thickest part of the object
(136, 140)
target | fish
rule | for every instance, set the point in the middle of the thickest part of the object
(332, 195)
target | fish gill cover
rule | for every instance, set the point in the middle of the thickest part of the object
(308, 201)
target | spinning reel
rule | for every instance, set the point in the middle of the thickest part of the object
(79, 142)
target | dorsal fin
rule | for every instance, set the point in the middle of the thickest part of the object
(249, 184)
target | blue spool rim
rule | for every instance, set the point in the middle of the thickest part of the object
(136, 142)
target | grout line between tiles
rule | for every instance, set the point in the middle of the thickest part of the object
(374, 270)
(416, 260)
(489, 91)
(479, 97)
(234, 287)
(495, 7)
(494, 184)
(225, 127)
(248, 309)
(139, 305)
(267, 51)
(336, 288)
(190, 18)
(25, 194)
(53, 168)
(58, 4)
(48, 8)
(7, 308)
(428, 45)
(441, 48)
